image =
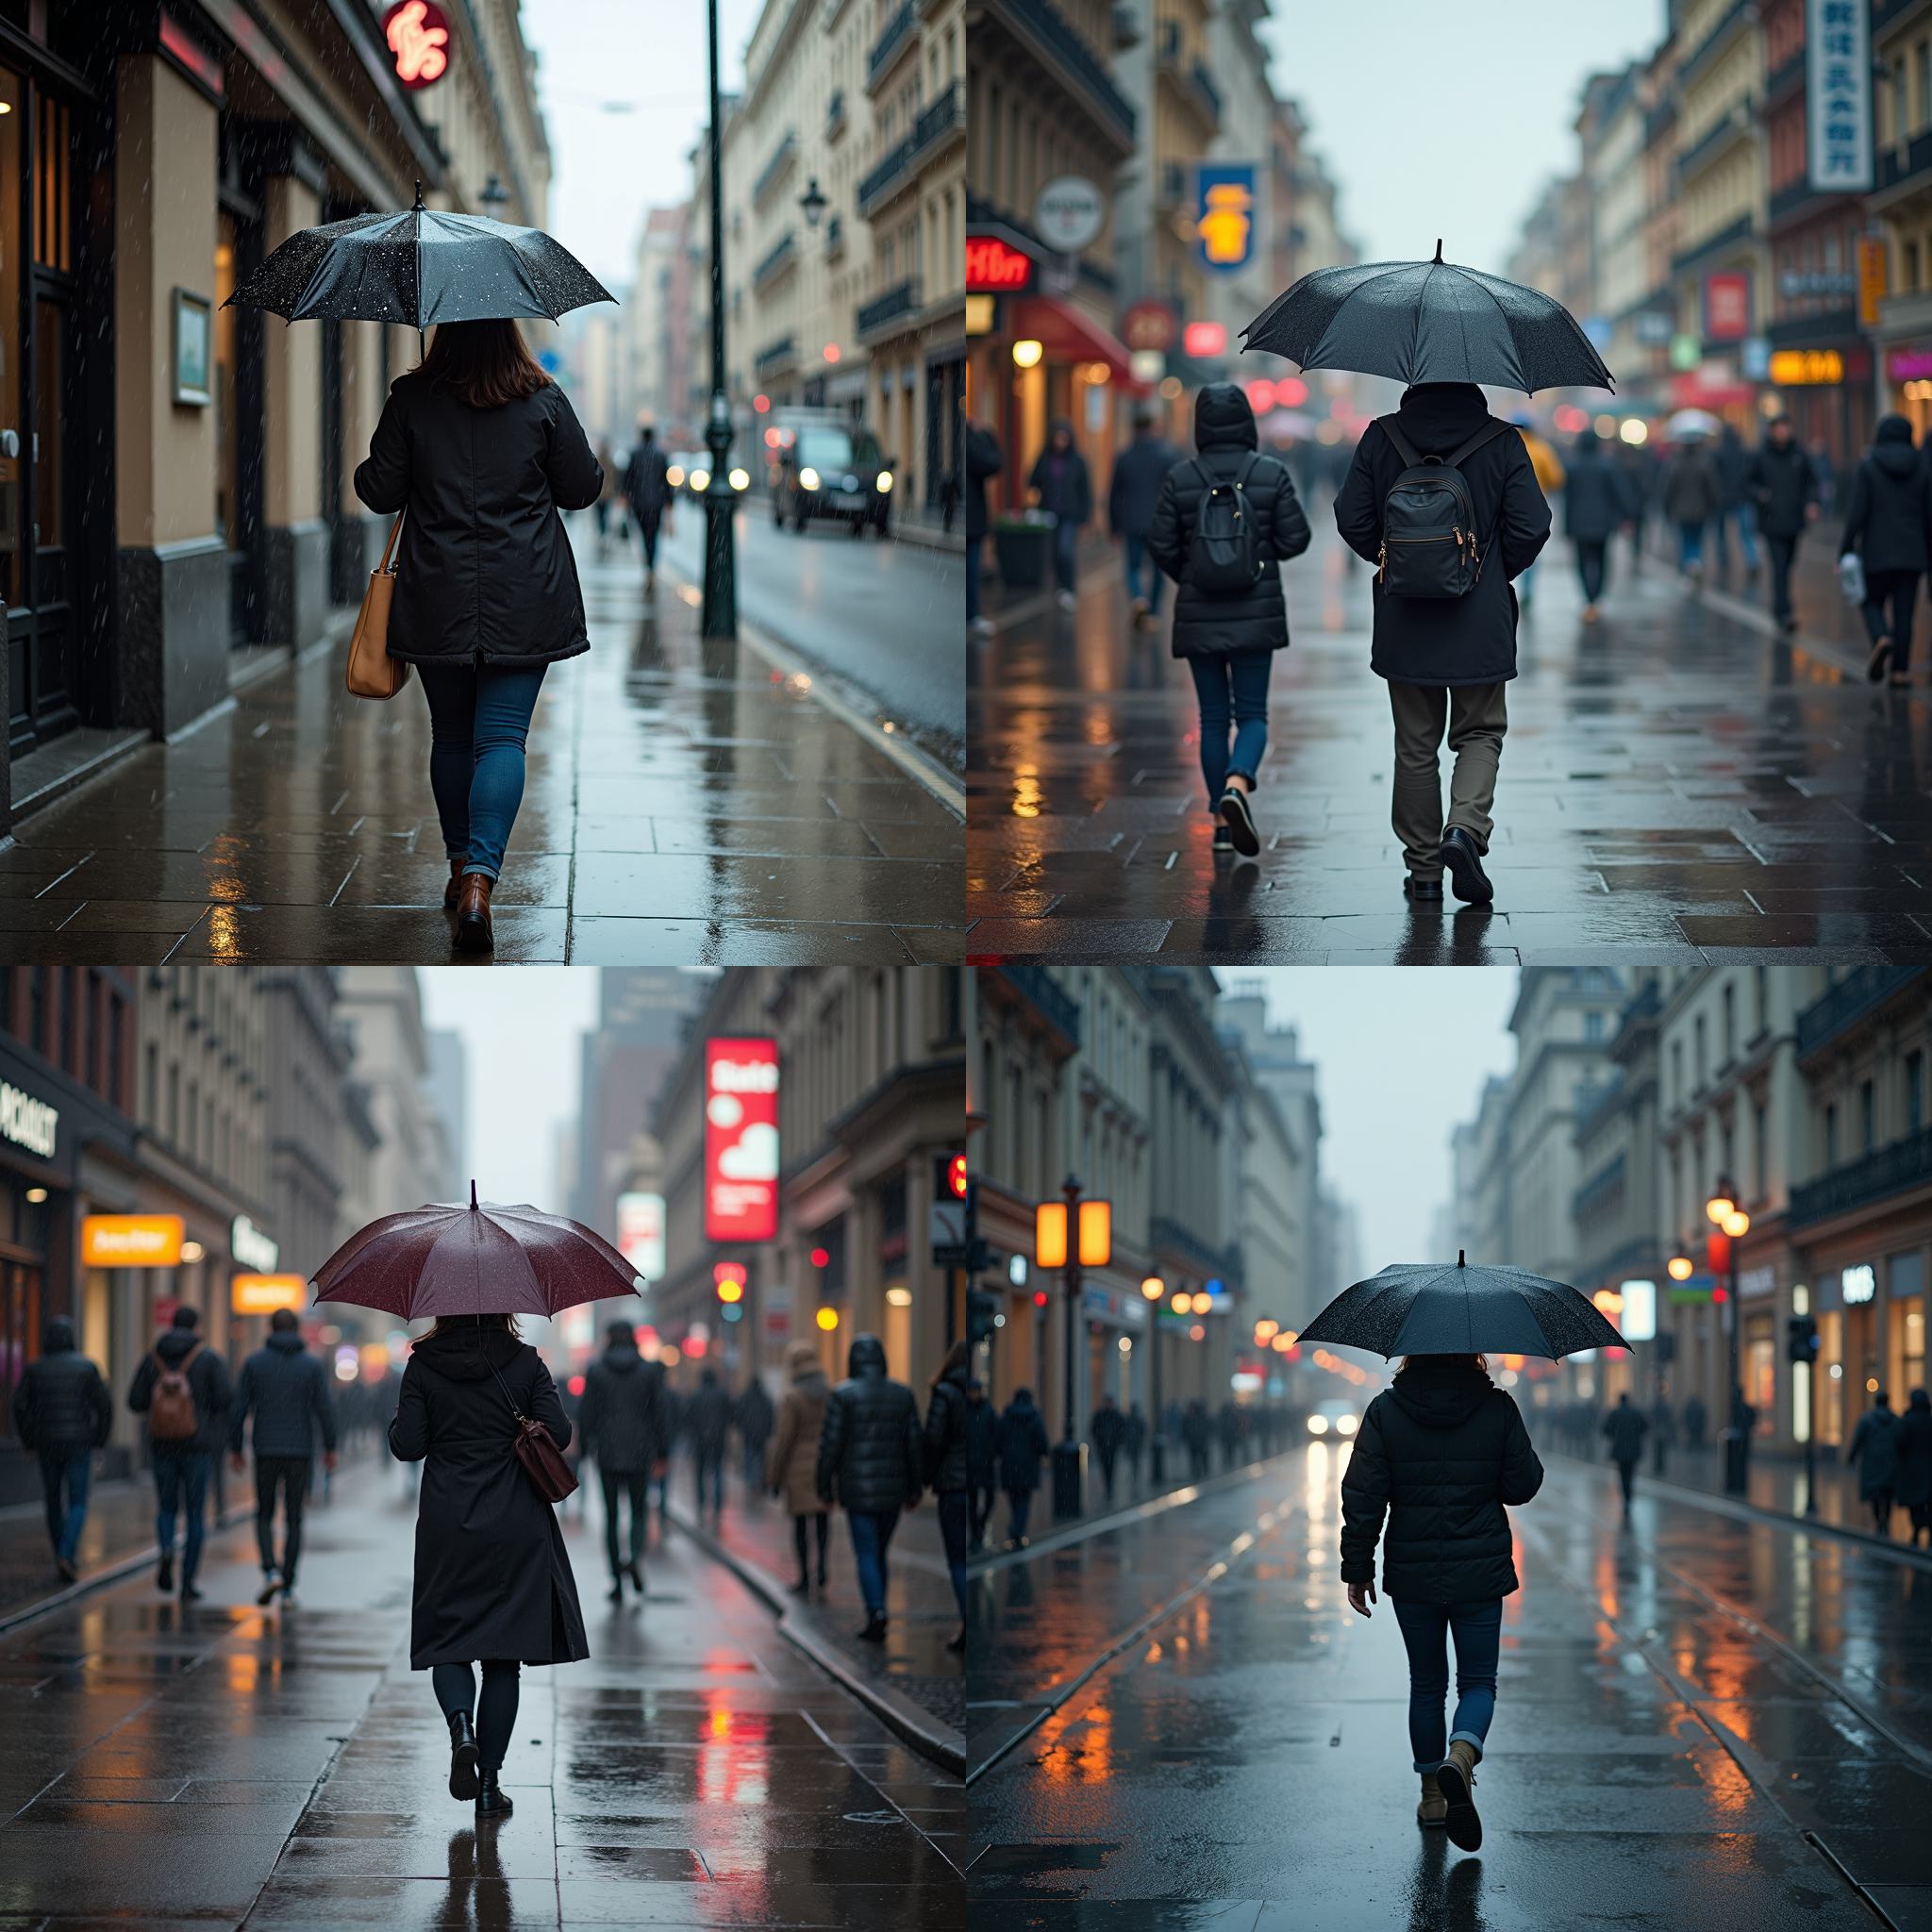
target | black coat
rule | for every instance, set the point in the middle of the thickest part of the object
(1890, 510)
(286, 1389)
(621, 1423)
(486, 575)
(1257, 619)
(62, 1407)
(982, 1445)
(648, 482)
(1022, 1446)
(1138, 472)
(1625, 1427)
(1913, 1485)
(1450, 640)
(208, 1382)
(983, 460)
(754, 1415)
(1875, 1447)
(1441, 1451)
(870, 1455)
(707, 1419)
(1596, 496)
(946, 1434)
(492, 1578)
(1781, 482)
(1069, 493)
(1732, 461)
(1108, 1427)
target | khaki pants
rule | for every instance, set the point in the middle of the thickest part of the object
(1476, 720)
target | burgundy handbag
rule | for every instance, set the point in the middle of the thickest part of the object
(536, 1448)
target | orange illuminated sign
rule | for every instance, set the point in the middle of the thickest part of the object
(131, 1241)
(418, 37)
(1096, 1233)
(1872, 265)
(1050, 1235)
(263, 1294)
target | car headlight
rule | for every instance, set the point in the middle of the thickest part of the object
(674, 477)
(1346, 1425)
(1318, 1425)
(885, 481)
(701, 479)
(807, 478)
(740, 480)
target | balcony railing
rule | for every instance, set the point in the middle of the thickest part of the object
(930, 130)
(1714, 42)
(776, 168)
(1192, 82)
(778, 261)
(1849, 1000)
(903, 299)
(1074, 60)
(1054, 1005)
(774, 356)
(1733, 125)
(1906, 1164)
(1896, 166)
(886, 48)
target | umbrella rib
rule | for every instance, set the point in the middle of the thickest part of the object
(1509, 328)
(1395, 268)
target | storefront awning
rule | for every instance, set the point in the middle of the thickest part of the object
(1069, 334)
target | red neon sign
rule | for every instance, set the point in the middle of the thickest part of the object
(996, 268)
(741, 1139)
(417, 36)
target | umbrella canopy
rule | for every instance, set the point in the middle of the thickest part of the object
(1445, 1308)
(1428, 322)
(420, 267)
(1689, 423)
(482, 1259)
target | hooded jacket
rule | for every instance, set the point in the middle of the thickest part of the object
(1441, 1450)
(1913, 1488)
(285, 1387)
(208, 1381)
(1022, 1446)
(1061, 477)
(1781, 481)
(1691, 495)
(945, 1434)
(869, 1455)
(1890, 509)
(791, 1457)
(1256, 619)
(1875, 1449)
(1448, 641)
(621, 1423)
(1596, 496)
(62, 1406)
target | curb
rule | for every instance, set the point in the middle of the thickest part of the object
(931, 1739)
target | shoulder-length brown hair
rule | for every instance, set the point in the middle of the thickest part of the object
(484, 364)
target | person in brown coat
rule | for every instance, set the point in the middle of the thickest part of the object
(792, 1460)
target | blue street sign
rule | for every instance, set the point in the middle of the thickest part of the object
(549, 361)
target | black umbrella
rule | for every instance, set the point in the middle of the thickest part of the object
(1439, 1308)
(1428, 322)
(419, 268)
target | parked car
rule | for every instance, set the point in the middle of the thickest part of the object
(692, 468)
(830, 469)
(1334, 1415)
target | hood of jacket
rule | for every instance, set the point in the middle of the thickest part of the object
(175, 1344)
(623, 1357)
(1439, 1399)
(866, 1356)
(1020, 1407)
(56, 1338)
(1589, 446)
(285, 1340)
(1436, 416)
(469, 1354)
(1893, 449)
(1223, 419)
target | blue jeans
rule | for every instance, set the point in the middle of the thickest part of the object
(1478, 1631)
(479, 719)
(872, 1535)
(711, 1477)
(1690, 545)
(1135, 548)
(955, 1533)
(1233, 691)
(1066, 549)
(975, 559)
(1020, 1510)
(64, 1478)
(1747, 534)
(181, 1479)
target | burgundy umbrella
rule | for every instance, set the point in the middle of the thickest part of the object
(482, 1259)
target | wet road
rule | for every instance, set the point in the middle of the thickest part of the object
(1696, 1709)
(1675, 786)
(285, 1765)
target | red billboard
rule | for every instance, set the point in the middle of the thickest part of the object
(1726, 306)
(741, 1139)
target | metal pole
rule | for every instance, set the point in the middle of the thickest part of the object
(1736, 1465)
(719, 617)
(1157, 1442)
(1069, 1456)
(1811, 1437)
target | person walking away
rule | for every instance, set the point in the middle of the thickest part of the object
(1733, 460)
(492, 1578)
(1663, 1431)
(1875, 1449)
(1225, 522)
(1595, 501)
(1783, 486)
(1023, 1448)
(1690, 500)
(983, 462)
(647, 489)
(621, 1428)
(284, 1388)
(982, 1461)
(1636, 464)
(1550, 478)
(792, 1458)
(1109, 1427)
(706, 1422)
(1446, 659)
(62, 1414)
(672, 1408)
(483, 450)
(1197, 1432)
(944, 1463)
(182, 1387)
(1138, 472)
(1060, 483)
(1442, 1453)
(1912, 1488)
(1134, 1439)
(1696, 1420)
(600, 510)
(1627, 1425)
(1887, 520)
(753, 1416)
(870, 1462)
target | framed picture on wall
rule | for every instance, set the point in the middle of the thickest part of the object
(194, 332)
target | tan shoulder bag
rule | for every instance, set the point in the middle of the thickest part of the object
(372, 672)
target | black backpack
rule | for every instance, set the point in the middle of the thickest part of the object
(1224, 556)
(1429, 542)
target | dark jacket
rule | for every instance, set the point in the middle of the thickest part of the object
(486, 573)
(1022, 1446)
(945, 1434)
(982, 1445)
(286, 1388)
(1108, 1427)
(983, 460)
(1138, 472)
(871, 1458)
(1257, 619)
(492, 1578)
(1691, 492)
(1441, 1451)
(648, 482)
(1596, 496)
(1875, 1449)
(1638, 467)
(1781, 482)
(621, 1423)
(752, 1415)
(1914, 1442)
(707, 1420)
(62, 1406)
(1450, 640)
(1732, 461)
(1891, 505)
(208, 1382)
(1061, 477)
(1625, 1427)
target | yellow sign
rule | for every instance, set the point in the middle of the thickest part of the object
(1873, 259)
(1803, 368)
(979, 315)
(263, 1294)
(131, 1241)
(1225, 223)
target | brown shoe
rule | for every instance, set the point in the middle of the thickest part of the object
(454, 891)
(473, 915)
(1434, 1809)
(1456, 1778)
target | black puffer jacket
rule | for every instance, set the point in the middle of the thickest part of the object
(62, 1407)
(1441, 1451)
(1891, 505)
(208, 1382)
(870, 1452)
(621, 1423)
(486, 575)
(1783, 483)
(1596, 498)
(1209, 627)
(285, 1387)
(707, 1418)
(945, 1434)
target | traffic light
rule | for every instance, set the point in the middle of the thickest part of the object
(952, 1176)
(728, 1278)
(980, 1309)
(1801, 1342)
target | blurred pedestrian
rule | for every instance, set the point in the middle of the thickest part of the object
(753, 1414)
(944, 1464)
(1108, 1427)
(1550, 478)
(1913, 1490)
(286, 1390)
(1442, 1450)
(1138, 472)
(1625, 1426)
(1228, 1428)
(182, 1387)
(1023, 1448)
(62, 1414)
(1225, 522)
(1886, 523)
(647, 490)
(982, 1460)
(672, 1409)
(1663, 1432)
(869, 1463)
(1690, 500)
(1060, 484)
(983, 462)
(1875, 1449)
(1638, 466)
(1596, 500)
(1733, 506)
(1197, 1432)
(621, 1428)
(791, 1460)
(1696, 1420)
(949, 496)
(1134, 1441)
(1447, 658)
(600, 510)
(706, 1422)
(492, 1581)
(484, 450)
(1783, 485)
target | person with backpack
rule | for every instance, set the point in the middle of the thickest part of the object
(1226, 521)
(285, 1387)
(1888, 522)
(1442, 499)
(182, 1387)
(62, 1414)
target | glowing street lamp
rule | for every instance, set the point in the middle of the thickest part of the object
(1153, 1290)
(1680, 1266)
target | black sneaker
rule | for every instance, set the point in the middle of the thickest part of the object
(270, 1584)
(875, 1631)
(1464, 865)
(1241, 822)
(164, 1577)
(189, 1594)
(1224, 839)
(1422, 892)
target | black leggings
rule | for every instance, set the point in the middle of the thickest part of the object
(495, 1715)
(799, 1535)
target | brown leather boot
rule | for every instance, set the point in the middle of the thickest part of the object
(473, 915)
(1434, 1809)
(1456, 1778)
(454, 891)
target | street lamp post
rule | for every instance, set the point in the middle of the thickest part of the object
(1734, 1224)
(1153, 1290)
(719, 614)
(1071, 1235)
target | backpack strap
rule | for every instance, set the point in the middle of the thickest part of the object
(1246, 470)
(1488, 433)
(1410, 456)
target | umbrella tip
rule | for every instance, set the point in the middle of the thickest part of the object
(1439, 238)
(419, 204)
(1462, 1258)
(472, 1194)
